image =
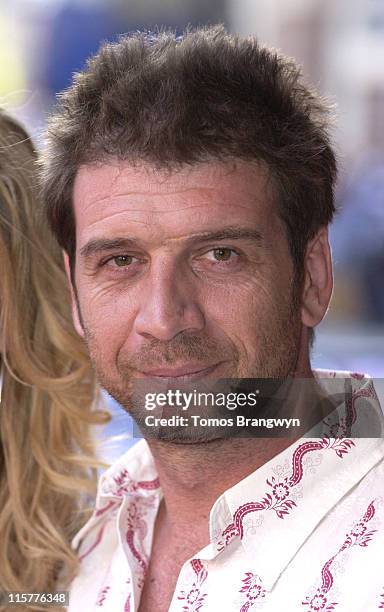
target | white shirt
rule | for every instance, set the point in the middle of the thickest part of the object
(303, 533)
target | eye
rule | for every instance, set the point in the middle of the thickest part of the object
(122, 266)
(222, 255)
(122, 260)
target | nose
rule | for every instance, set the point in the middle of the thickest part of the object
(168, 305)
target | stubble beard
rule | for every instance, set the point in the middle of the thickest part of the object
(277, 358)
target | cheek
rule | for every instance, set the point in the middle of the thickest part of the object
(245, 311)
(108, 321)
(256, 298)
(258, 316)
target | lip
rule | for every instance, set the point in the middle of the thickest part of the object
(182, 373)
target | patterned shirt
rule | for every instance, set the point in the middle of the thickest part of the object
(303, 533)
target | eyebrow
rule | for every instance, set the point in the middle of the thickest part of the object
(98, 245)
(230, 233)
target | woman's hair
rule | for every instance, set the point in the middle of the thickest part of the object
(47, 460)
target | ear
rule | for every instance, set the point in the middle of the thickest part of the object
(75, 305)
(318, 279)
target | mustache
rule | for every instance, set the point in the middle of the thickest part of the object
(184, 347)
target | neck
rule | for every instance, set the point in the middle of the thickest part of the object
(193, 476)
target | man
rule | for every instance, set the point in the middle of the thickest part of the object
(190, 184)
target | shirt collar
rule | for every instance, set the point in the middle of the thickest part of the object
(134, 475)
(280, 504)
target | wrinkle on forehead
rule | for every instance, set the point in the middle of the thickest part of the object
(163, 181)
(122, 213)
(121, 193)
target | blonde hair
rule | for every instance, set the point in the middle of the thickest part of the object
(47, 459)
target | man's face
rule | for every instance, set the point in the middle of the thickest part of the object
(184, 275)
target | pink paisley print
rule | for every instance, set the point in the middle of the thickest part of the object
(97, 541)
(127, 606)
(194, 598)
(137, 515)
(105, 508)
(149, 485)
(197, 566)
(130, 538)
(297, 459)
(381, 604)
(102, 595)
(369, 513)
(278, 499)
(253, 590)
(126, 484)
(357, 536)
(350, 401)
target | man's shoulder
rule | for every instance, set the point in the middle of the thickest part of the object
(325, 373)
(334, 380)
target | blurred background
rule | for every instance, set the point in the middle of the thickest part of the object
(340, 46)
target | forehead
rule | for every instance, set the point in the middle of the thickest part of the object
(114, 195)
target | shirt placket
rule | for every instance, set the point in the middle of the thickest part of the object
(135, 526)
(191, 589)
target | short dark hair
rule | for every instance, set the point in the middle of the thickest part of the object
(205, 96)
